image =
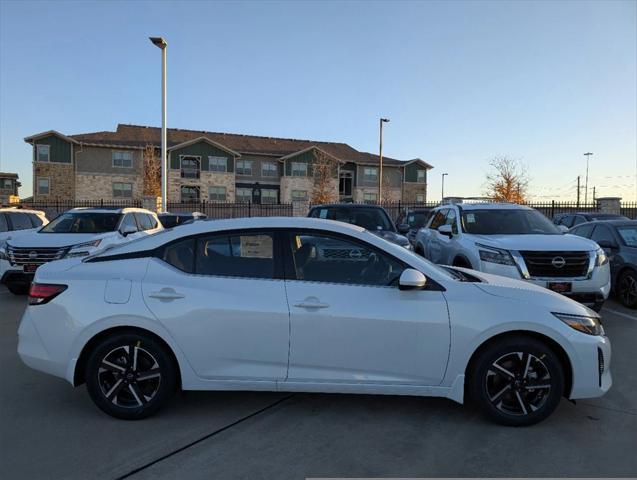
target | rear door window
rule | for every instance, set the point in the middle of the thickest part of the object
(584, 231)
(4, 227)
(35, 220)
(143, 221)
(20, 221)
(236, 255)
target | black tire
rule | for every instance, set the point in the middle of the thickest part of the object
(512, 400)
(627, 289)
(461, 262)
(18, 288)
(114, 377)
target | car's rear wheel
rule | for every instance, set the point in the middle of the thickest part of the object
(518, 381)
(130, 375)
(18, 288)
(627, 289)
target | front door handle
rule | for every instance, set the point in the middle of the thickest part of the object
(311, 302)
(166, 294)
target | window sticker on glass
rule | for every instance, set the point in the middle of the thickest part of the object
(323, 213)
(256, 246)
(471, 218)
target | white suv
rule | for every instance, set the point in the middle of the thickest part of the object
(518, 242)
(78, 232)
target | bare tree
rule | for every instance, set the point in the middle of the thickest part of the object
(152, 172)
(324, 170)
(508, 180)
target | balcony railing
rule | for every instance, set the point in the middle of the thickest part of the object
(190, 173)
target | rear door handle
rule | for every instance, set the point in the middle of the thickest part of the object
(311, 303)
(166, 294)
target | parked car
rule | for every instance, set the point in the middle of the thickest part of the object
(571, 219)
(251, 304)
(411, 220)
(78, 232)
(618, 238)
(171, 220)
(15, 222)
(518, 242)
(371, 217)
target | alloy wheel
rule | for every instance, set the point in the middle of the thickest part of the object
(518, 383)
(628, 290)
(129, 376)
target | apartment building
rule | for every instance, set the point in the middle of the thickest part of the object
(9, 185)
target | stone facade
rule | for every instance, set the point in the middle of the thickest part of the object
(411, 190)
(295, 183)
(61, 181)
(206, 179)
(99, 186)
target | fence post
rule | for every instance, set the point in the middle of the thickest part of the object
(552, 209)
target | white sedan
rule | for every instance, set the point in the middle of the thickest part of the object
(305, 305)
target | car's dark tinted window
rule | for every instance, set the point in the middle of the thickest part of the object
(602, 234)
(579, 219)
(35, 220)
(584, 231)
(143, 221)
(238, 255)
(439, 218)
(566, 220)
(20, 221)
(507, 221)
(181, 255)
(323, 258)
(151, 219)
(417, 219)
(3, 223)
(369, 218)
(80, 222)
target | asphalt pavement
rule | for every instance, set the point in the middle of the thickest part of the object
(50, 430)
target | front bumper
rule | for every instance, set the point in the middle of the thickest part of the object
(591, 366)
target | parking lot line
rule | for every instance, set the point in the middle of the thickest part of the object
(621, 314)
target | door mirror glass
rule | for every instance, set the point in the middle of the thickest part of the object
(562, 228)
(446, 230)
(403, 228)
(412, 279)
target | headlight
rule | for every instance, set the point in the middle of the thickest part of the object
(495, 255)
(588, 325)
(3, 250)
(73, 252)
(600, 257)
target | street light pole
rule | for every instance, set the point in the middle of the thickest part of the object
(380, 161)
(442, 195)
(162, 44)
(587, 155)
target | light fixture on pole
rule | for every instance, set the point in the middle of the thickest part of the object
(160, 43)
(380, 161)
(442, 195)
(587, 155)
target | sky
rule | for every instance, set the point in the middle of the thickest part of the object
(462, 82)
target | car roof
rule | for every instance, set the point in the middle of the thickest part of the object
(487, 206)
(347, 205)
(24, 210)
(615, 223)
(108, 210)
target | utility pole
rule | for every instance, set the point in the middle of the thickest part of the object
(587, 155)
(442, 196)
(578, 191)
(160, 43)
(593, 194)
(380, 161)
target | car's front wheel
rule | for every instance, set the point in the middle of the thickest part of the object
(518, 381)
(130, 375)
(627, 289)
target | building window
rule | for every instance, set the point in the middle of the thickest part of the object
(420, 198)
(421, 176)
(190, 167)
(299, 195)
(8, 183)
(370, 197)
(299, 169)
(122, 190)
(43, 153)
(123, 159)
(189, 194)
(243, 195)
(43, 186)
(217, 194)
(370, 174)
(218, 164)
(244, 167)
(268, 169)
(269, 196)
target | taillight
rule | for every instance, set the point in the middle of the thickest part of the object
(40, 293)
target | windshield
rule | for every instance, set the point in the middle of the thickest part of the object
(83, 222)
(507, 222)
(369, 218)
(607, 216)
(629, 235)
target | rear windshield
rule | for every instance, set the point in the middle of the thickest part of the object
(507, 222)
(369, 218)
(83, 222)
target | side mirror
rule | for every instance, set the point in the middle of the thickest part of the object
(446, 230)
(127, 230)
(402, 228)
(607, 244)
(562, 228)
(411, 279)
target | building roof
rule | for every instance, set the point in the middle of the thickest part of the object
(139, 136)
(8, 175)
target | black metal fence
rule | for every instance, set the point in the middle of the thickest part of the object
(233, 210)
(55, 207)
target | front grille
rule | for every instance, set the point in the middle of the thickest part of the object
(34, 256)
(600, 361)
(556, 264)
